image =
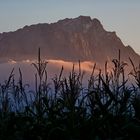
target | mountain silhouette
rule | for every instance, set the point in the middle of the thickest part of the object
(74, 39)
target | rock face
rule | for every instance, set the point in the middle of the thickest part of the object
(81, 38)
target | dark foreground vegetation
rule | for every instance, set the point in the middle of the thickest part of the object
(107, 109)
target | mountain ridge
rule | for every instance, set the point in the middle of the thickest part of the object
(70, 39)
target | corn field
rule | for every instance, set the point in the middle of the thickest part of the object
(107, 109)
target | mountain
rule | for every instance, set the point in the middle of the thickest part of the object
(80, 38)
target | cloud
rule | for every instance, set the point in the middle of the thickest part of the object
(85, 66)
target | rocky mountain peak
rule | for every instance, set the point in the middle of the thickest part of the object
(81, 23)
(97, 24)
(71, 39)
(84, 19)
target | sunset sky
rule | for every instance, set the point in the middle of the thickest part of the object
(122, 16)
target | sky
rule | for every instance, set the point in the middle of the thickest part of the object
(122, 16)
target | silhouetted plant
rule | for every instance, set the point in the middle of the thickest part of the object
(107, 109)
